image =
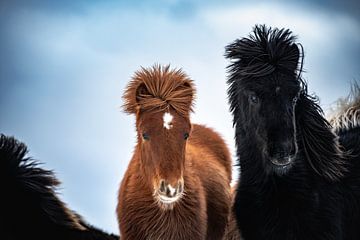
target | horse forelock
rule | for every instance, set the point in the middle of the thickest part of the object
(265, 53)
(165, 88)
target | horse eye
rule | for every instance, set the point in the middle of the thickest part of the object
(254, 98)
(145, 136)
(186, 136)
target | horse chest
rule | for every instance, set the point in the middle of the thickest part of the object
(169, 224)
(147, 220)
(276, 217)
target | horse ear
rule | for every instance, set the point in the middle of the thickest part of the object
(141, 92)
(188, 86)
(133, 96)
(294, 57)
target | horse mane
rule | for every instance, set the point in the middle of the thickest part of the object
(347, 114)
(320, 145)
(158, 88)
(40, 182)
(270, 51)
(31, 207)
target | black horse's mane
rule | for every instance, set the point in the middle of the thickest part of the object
(30, 207)
(270, 51)
(42, 182)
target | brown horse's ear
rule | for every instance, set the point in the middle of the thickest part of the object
(188, 87)
(141, 92)
(187, 84)
(133, 97)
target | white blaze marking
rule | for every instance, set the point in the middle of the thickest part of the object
(172, 190)
(167, 118)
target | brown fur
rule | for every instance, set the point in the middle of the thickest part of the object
(202, 161)
(159, 88)
(232, 231)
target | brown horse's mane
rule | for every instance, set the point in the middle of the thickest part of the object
(158, 88)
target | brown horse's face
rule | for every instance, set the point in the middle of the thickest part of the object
(162, 137)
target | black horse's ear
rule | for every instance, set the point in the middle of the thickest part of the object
(294, 58)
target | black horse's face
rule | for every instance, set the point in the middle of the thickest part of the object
(269, 116)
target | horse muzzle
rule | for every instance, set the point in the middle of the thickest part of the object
(167, 193)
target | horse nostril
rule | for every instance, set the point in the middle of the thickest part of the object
(180, 188)
(162, 188)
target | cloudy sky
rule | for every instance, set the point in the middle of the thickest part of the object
(64, 66)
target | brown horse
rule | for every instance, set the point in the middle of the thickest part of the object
(177, 185)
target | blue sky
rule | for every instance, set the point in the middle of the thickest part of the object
(64, 66)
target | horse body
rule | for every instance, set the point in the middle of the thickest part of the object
(291, 209)
(201, 162)
(298, 180)
(347, 126)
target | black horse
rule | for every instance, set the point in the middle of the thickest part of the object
(29, 206)
(299, 179)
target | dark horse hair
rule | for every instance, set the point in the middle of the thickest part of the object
(30, 207)
(300, 178)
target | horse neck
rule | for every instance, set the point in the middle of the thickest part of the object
(250, 161)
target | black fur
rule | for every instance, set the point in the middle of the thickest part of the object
(29, 206)
(297, 182)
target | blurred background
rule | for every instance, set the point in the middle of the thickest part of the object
(64, 66)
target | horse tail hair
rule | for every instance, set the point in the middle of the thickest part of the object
(30, 207)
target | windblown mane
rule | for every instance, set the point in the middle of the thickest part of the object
(37, 180)
(347, 114)
(158, 88)
(30, 207)
(320, 145)
(263, 53)
(274, 51)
